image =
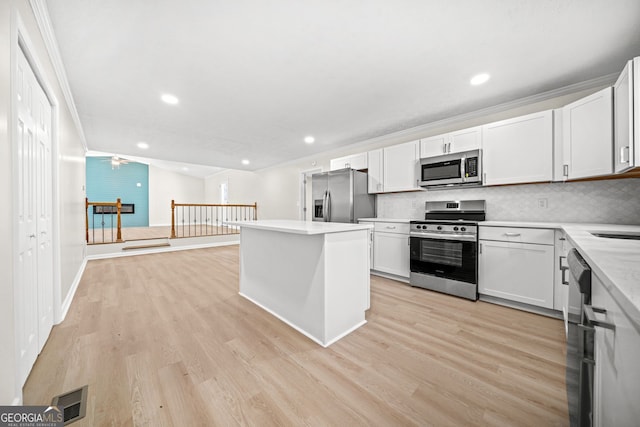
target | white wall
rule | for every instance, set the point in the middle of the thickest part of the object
(165, 186)
(277, 189)
(69, 209)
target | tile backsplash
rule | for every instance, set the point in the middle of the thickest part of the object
(610, 201)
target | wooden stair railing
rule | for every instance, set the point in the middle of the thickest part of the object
(208, 219)
(117, 204)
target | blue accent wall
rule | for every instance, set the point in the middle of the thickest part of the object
(105, 184)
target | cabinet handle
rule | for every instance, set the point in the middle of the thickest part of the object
(563, 269)
(622, 149)
(484, 178)
(444, 147)
(480, 248)
(391, 227)
(562, 238)
(512, 234)
(565, 170)
(409, 241)
(590, 311)
(448, 147)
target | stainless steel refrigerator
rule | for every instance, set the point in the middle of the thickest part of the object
(341, 196)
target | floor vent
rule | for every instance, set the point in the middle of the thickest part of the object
(73, 404)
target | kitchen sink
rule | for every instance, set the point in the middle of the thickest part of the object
(626, 236)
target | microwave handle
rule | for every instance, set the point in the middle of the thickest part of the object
(463, 165)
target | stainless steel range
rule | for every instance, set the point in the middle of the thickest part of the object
(444, 248)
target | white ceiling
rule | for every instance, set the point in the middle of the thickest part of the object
(255, 77)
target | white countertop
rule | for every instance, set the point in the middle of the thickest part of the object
(300, 227)
(616, 262)
(396, 220)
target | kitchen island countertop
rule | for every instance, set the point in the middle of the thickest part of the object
(300, 227)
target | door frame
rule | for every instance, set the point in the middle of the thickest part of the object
(20, 40)
(303, 190)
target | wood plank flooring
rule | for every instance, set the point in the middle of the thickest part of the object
(165, 339)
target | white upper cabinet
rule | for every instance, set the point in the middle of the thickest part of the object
(394, 168)
(400, 167)
(466, 139)
(434, 145)
(355, 161)
(626, 98)
(587, 136)
(518, 150)
(375, 177)
(453, 142)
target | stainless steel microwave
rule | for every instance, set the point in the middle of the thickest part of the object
(464, 168)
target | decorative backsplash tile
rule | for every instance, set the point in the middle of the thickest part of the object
(610, 201)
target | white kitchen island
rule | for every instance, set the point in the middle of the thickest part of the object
(314, 276)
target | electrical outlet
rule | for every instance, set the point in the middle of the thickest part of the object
(542, 203)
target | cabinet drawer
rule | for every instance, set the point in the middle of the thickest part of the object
(541, 236)
(392, 227)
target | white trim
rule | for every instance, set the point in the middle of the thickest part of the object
(20, 40)
(72, 292)
(161, 249)
(303, 190)
(41, 14)
(17, 401)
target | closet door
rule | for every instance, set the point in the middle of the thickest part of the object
(33, 250)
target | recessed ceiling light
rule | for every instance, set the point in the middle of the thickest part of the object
(142, 145)
(245, 162)
(479, 79)
(309, 139)
(169, 99)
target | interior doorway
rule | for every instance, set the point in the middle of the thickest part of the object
(306, 203)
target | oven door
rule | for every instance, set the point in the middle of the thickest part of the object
(454, 258)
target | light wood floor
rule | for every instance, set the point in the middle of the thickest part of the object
(165, 339)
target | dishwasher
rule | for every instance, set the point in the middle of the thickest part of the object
(580, 344)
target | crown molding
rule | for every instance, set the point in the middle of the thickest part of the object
(597, 82)
(41, 14)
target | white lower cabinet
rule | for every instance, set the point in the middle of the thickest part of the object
(616, 373)
(517, 264)
(391, 248)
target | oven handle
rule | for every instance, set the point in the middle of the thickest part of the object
(461, 237)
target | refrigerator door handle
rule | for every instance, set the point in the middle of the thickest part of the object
(324, 205)
(327, 218)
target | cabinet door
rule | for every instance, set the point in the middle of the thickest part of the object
(623, 120)
(466, 139)
(520, 272)
(616, 373)
(434, 145)
(355, 161)
(587, 135)
(391, 253)
(518, 150)
(400, 167)
(374, 176)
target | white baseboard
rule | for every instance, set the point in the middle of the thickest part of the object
(74, 287)
(162, 249)
(17, 401)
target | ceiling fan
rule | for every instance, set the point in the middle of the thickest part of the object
(116, 161)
